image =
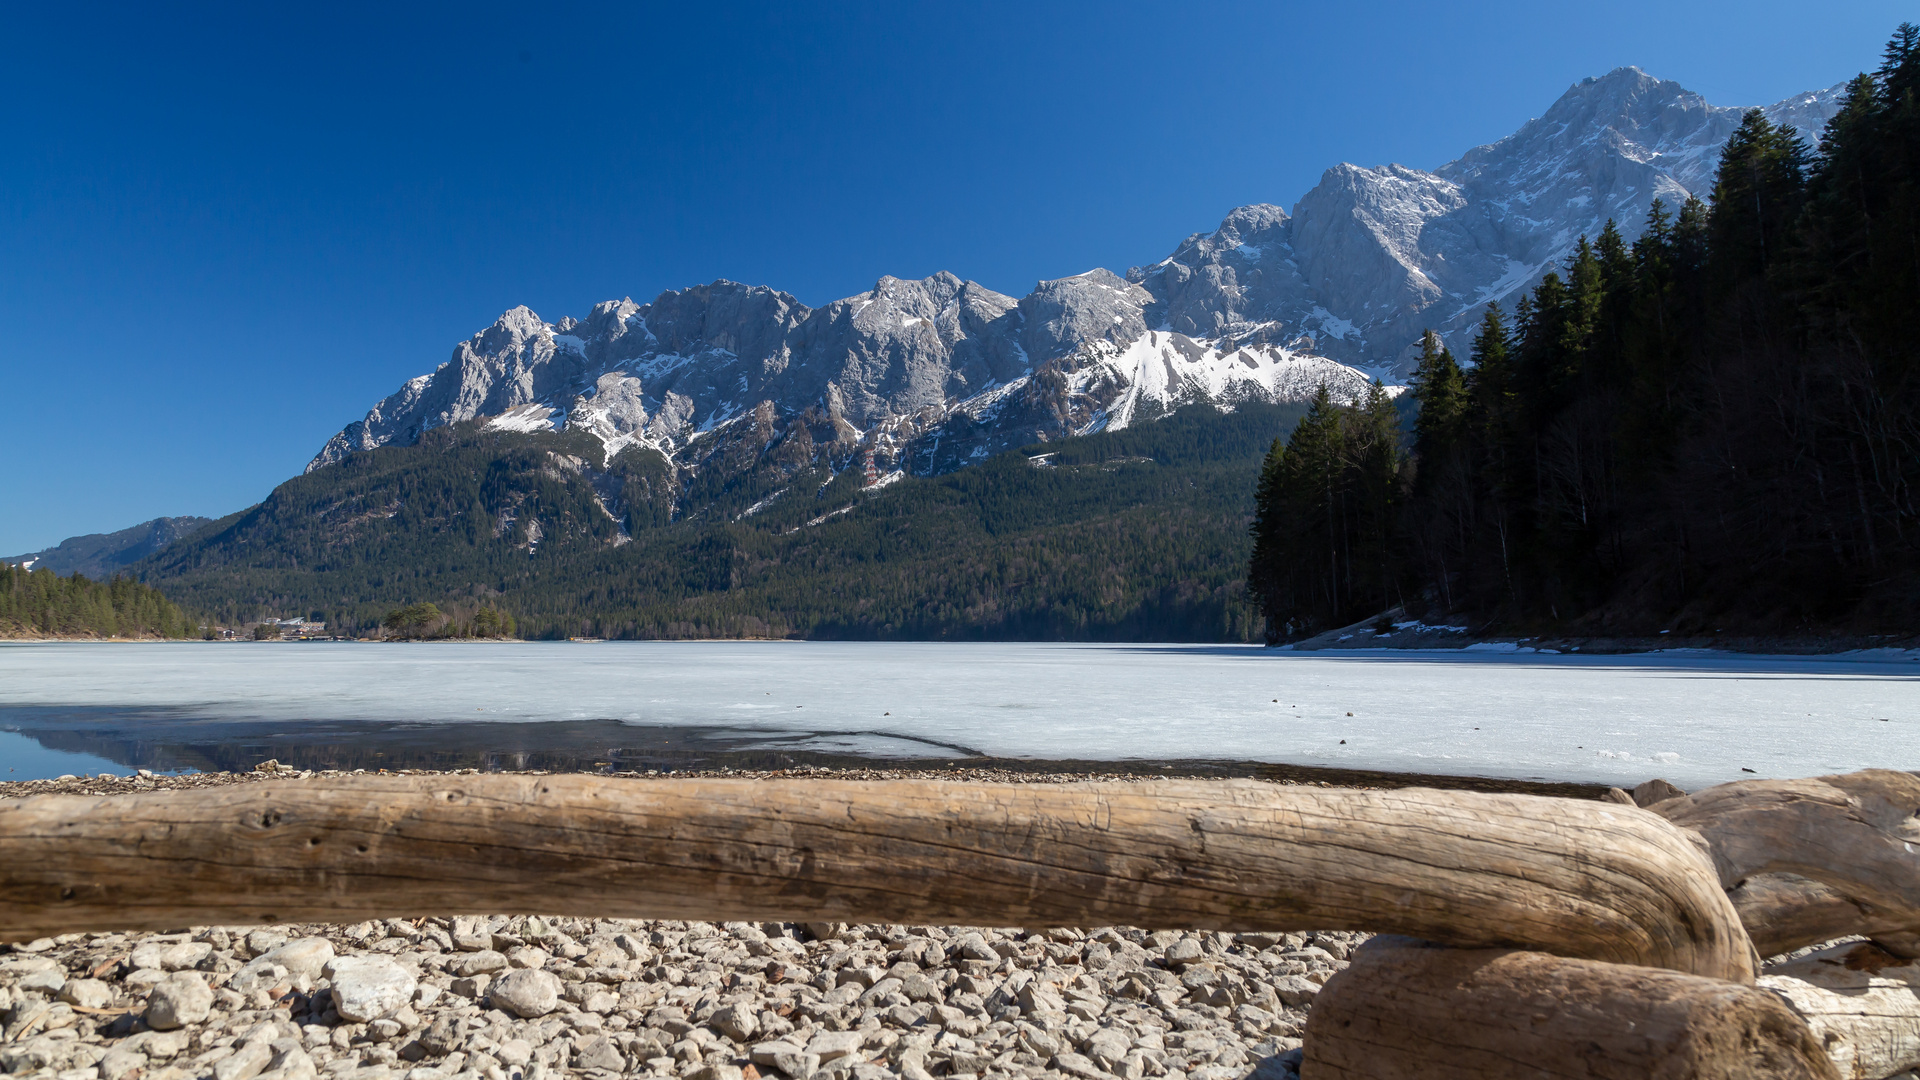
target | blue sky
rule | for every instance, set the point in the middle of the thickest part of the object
(226, 231)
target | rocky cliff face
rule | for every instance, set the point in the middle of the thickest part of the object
(923, 375)
(1372, 257)
(926, 376)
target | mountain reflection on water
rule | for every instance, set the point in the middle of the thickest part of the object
(166, 743)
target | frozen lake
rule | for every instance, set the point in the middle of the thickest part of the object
(1694, 718)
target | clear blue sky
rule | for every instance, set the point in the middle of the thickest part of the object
(226, 231)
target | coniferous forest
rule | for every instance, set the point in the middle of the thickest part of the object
(1132, 535)
(1713, 427)
(44, 604)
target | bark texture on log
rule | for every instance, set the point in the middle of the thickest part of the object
(1576, 877)
(1854, 834)
(1406, 1009)
(1862, 1003)
(1784, 912)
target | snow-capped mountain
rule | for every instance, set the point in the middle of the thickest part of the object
(928, 375)
(1373, 257)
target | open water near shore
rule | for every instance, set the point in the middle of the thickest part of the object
(1695, 718)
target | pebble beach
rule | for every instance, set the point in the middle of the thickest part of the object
(522, 997)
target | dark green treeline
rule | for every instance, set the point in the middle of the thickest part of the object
(42, 603)
(1715, 427)
(1131, 535)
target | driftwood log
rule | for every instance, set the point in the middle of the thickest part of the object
(1784, 912)
(1862, 1003)
(1848, 843)
(1404, 1009)
(1575, 878)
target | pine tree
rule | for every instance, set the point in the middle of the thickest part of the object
(1441, 389)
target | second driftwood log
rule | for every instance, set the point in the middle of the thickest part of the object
(1405, 1009)
(1815, 859)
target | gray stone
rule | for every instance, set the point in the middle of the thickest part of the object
(1076, 1065)
(161, 1045)
(974, 947)
(369, 987)
(797, 1064)
(1107, 1048)
(304, 956)
(484, 962)
(738, 1022)
(601, 1053)
(1185, 951)
(526, 993)
(443, 1036)
(86, 993)
(527, 956)
(1656, 791)
(27, 1057)
(120, 1063)
(290, 1062)
(515, 1052)
(920, 988)
(473, 988)
(831, 1045)
(471, 935)
(246, 1062)
(1295, 990)
(49, 981)
(180, 999)
(763, 1053)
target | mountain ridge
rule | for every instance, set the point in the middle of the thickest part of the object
(925, 376)
(101, 555)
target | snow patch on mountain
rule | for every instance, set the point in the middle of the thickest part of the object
(933, 374)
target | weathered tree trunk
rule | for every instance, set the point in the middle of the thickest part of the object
(1407, 1009)
(1784, 912)
(1853, 834)
(1578, 878)
(1862, 1004)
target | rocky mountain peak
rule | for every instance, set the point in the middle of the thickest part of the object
(938, 370)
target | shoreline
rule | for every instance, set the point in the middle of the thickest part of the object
(974, 770)
(1359, 638)
(520, 997)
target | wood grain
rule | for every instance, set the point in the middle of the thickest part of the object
(1407, 1010)
(1784, 912)
(1862, 1003)
(1854, 834)
(1579, 878)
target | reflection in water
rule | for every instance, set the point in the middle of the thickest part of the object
(22, 758)
(166, 742)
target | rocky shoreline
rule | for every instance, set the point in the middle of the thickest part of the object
(525, 998)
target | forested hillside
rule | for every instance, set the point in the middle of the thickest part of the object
(1716, 427)
(41, 603)
(1133, 535)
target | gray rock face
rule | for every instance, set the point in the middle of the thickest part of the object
(1372, 257)
(930, 375)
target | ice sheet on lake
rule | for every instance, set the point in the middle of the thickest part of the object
(1694, 718)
